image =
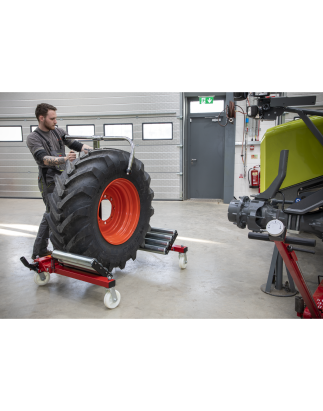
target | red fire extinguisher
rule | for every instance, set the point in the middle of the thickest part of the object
(254, 176)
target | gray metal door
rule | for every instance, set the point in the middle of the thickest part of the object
(206, 158)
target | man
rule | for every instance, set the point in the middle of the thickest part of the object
(46, 144)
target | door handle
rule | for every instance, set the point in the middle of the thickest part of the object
(192, 160)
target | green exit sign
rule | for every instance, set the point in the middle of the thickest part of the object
(206, 100)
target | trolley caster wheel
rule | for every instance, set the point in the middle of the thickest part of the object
(109, 299)
(39, 281)
(182, 260)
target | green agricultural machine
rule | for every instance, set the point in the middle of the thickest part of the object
(290, 202)
(295, 150)
(305, 165)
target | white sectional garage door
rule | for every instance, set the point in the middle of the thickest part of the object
(162, 156)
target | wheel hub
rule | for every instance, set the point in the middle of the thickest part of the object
(125, 211)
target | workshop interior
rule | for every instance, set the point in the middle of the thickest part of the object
(187, 205)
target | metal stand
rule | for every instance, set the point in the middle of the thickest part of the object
(313, 303)
(274, 285)
(306, 306)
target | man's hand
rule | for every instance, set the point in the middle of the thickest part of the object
(85, 148)
(71, 156)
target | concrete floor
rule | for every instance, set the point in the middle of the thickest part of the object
(222, 280)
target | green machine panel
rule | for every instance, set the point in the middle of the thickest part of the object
(305, 160)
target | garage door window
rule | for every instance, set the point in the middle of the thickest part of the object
(121, 130)
(157, 131)
(11, 133)
(80, 130)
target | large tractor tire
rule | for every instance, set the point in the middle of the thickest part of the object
(76, 220)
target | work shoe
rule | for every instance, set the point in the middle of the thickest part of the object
(42, 254)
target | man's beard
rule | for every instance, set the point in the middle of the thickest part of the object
(49, 127)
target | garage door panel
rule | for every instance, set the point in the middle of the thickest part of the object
(19, 169)
(160, 166)
(13, 192)
(17, 157)
(16, 145)
(22, 162)
(19, 188)
(14, 150)
(166, 185)
(19, 179)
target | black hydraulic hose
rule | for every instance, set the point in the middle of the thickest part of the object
(283, 205)
(310, 112)
(225, 110)
(302, 250)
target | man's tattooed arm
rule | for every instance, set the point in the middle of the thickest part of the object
(53, 161)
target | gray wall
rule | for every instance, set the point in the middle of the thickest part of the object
(162, 158)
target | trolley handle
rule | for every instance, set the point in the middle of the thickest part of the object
(33, 267)
(111, 138)
(289, 240)
(258, 236)
(300, 241)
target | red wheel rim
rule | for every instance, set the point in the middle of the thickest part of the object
(125, 211)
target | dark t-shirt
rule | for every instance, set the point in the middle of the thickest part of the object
(36, 143)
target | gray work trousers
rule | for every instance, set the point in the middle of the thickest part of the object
(41, 242)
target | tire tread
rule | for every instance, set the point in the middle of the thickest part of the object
(71, 206)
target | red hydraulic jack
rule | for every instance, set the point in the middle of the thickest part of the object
(307, 306)
(313, 303)
(89, 270)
